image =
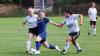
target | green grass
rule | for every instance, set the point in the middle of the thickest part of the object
(12, 43)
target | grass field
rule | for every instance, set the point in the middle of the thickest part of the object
(12, 43)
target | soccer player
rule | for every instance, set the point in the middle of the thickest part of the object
(31, 19)
(92, 13)
(74, 30)
(42, 34)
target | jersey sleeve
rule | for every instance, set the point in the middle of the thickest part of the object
(88, 11)
(89, 14)
(96, 12)
(76, 16)
(47, 20)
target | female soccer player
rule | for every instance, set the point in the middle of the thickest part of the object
(74, 30)
(31, 19)
(92, 12)
(42, 34)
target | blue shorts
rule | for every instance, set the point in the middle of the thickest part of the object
(43, 36)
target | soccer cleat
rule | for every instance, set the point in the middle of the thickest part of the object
(88, 33)
(78, 51)
(63, 52)
(57, 48)
(37, 52)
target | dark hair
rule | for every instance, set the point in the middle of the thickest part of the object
(92, 3)
(68, 11)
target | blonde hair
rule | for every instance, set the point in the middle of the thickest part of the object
(31, 9)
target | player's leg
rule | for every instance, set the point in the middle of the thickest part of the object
(67, 44)
(40, 37)
(38, 44)
(75, 43)
(94, 27)
(90, 30)
(45, 43)
(77, 46)
(29, 39)
(50, 46)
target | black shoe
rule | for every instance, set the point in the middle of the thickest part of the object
(26, 51)
(78, 51)
(88, 33)
(63, 52)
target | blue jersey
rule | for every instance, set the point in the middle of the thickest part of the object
(42, 25)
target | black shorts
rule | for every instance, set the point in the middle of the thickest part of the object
(34, 31)
(74, 35)
(92, 22)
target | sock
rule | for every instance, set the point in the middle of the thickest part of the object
(77, 45)
(66, 46)
(51, 46)
(91, 30)
(38, 45)
(28, 44)
(94, 31)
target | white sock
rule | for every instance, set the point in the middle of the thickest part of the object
(94, 31)
(91, 30)
(77, 45)
(28, 44)
(66, 46)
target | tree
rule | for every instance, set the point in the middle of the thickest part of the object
(27, 3)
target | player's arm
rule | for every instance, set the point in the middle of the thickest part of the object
(22, 25)
(61, 25)
(81, 19)
(96, 15)
(89, 15)
(53, 23)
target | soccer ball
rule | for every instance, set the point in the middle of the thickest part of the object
(33, 50)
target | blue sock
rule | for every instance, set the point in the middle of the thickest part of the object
(51, 46)
(38, 45)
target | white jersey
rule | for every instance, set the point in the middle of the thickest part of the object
(72, 23)
(92, 12)
(32, 21)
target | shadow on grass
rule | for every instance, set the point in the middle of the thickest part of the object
(43, 53)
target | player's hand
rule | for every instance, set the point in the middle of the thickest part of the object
(96, 18)
(60, 25)
(81, 24)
